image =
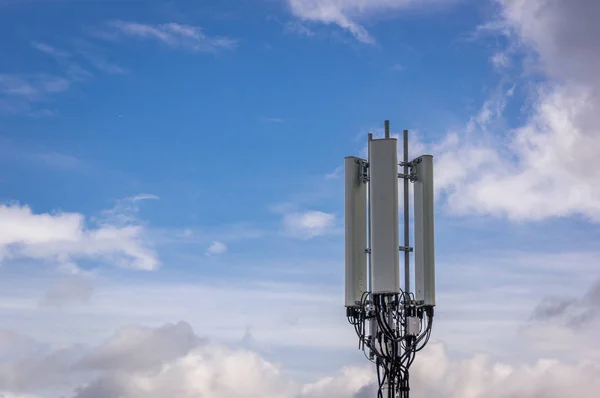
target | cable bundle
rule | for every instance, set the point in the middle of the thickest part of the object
(391, 345)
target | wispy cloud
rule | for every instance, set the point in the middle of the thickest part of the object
(335, 174)
(216, 248)
(298, 28)
(49, 159)
(19, 92)
(308, 224)
(125, 211)
(32, 87)
(273, 120)
(347, 13)
(500, 59)
(172, 34)
(100, 62)
(50, 50)
(397, 68)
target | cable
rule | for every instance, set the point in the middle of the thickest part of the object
(390, 347)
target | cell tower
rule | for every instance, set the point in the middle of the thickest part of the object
(392, 324)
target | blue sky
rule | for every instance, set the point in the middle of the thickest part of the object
(180, 161)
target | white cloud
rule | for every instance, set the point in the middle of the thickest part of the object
(136, 348)
(172, 34)
(216, 248)
(500, 59)
(481, 376)
(171, 361)
(50, 50)
(309, 224)
(335, 174)
(31, 87)
(298, 28)
(347, 13)
(24, 93)
(19, 92)
(100, 62)
(547, 167)
(125, 211)
(63, 238)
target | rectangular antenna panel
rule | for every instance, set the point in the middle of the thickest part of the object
(356, 231)
(383, 202)
(424, 234)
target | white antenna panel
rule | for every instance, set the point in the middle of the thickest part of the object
(383, 180)
(424, 233)
(356, 231)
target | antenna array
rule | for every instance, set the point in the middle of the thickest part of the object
(392, 324)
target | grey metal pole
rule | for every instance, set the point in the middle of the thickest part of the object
(369, 276)
(406, 240)
(372, 323)
(387, 128)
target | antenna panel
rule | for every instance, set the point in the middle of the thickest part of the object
(424, 231)
(356, 231)
(383, 202)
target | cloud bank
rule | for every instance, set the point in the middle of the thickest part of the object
(170, 360)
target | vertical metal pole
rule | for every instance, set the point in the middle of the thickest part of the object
(406, 240)
(387, 135)
(372, 324)
(369, 276)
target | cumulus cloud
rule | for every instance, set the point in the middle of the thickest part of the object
(64, 238)
(481, 376)
(137, 348)
(172, 34)
(39, 371)
(170, 361)
(309, 224)
(548, 166)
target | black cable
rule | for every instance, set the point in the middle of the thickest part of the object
(390, 348)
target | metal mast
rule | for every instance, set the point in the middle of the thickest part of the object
(392, 324)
